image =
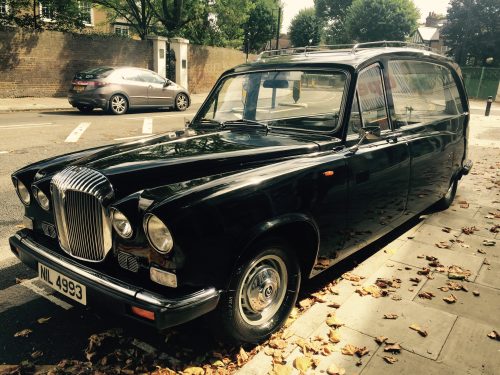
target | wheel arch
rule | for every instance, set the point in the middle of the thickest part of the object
(299, 230)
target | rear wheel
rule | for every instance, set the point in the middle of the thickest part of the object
(85, 108)
(262, 292)
(448, 198)
(118, 104)
(181, 102)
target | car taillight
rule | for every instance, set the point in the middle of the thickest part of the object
(90, 83)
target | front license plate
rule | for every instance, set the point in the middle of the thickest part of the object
(63, 284)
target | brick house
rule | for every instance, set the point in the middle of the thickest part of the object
(429, 34)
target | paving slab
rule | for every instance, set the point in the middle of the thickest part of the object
(408, 253)
(261, 364)
(450, 219)
(489, 275)
(307, 323)
(480, 309)
(365, 314)
(430, 234)
(349, 363)
(469, 347)
(409, 363)
(396, 270)
(476, 243)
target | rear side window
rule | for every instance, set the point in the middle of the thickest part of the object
(132, 75)
(422, 92)
(93, 73)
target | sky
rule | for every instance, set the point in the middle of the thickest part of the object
(292, 7)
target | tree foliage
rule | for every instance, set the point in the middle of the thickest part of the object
(473, 31)
(137, 13)
(65, 15)
(372, 20)
(261, 25)
(333, 14)
(305, 28)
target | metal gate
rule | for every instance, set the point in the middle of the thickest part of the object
(170, 60)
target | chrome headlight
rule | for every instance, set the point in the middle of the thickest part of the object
(41, 198)
(158, 234)
(121, 224)
(22, 192)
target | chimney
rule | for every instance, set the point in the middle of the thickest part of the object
(432, 20)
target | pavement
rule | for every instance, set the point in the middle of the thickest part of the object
(56, 104)
(412, 270)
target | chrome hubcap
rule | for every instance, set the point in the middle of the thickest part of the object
(118, 104)
(263, 289)
(181, 102)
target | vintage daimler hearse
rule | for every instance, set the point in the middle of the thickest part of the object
(292, 163)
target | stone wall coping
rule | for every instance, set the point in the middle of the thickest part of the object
(156, 37)
(179, 40)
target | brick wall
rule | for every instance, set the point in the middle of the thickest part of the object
(206, 64)
(43, 63)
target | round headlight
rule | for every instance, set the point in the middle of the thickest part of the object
(22, 192)
(41, 198)
(158, 234)
(121, 224)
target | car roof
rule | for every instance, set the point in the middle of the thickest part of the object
(348, 57)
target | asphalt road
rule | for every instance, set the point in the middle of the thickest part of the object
(27, 137)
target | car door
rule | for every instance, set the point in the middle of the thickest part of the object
(159, 93)
(427, 110)
(135, 87)
(378, 168)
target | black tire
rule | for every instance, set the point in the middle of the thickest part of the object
(445, 202)
(85, 108)
(181, 102)
(118, 104)
(261, 275)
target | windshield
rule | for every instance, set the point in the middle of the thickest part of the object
(291, 99)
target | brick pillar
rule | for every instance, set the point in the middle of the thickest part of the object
(159, 54)
(180, 47)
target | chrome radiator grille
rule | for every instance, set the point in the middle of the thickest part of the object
(83, 227)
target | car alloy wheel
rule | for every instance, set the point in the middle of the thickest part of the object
(181, 102)
(118, 104)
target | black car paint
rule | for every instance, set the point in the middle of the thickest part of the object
(218, 200)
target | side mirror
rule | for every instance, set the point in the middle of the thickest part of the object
(167, 83)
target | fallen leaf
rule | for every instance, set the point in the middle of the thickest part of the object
(419, 330)
(43, 320)
(495, 229)
(481, 251)
(426, 295)
(469, 230)
(194, 371)
(488, 243)
(302, 363)
(335, 370)
(391, 316)
(372, 290)
(396, 297)
(476, 293)
(334, 336)
(24, 333)
(380, 339)
(458, 273)
(306, 303)
(446, 229)
(352, 277)
(443, 245)
(494, 335)
(394, 348)
(450, 299)
(319, 297)
(349, 349)
(279, 369)
(390, 359)
(242, 357)
(268, 351)
(415, 280)
(277, 344)
(332, 321)
(335, 305)
(424, 271)
(361, 352)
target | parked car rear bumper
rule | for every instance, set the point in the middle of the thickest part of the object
(88, 100)
(114, 294)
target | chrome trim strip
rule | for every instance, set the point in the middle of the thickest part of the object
(140, 295)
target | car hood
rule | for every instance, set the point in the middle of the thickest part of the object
(187, 155)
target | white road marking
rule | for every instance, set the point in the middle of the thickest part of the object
(147, 126)
(35, 288)
(163, 116)
(75, 135)
(134, 137)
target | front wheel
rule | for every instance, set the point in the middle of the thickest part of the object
(118, 104)
(262, 293)
(181, 102)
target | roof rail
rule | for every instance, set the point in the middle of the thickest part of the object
(351, 48)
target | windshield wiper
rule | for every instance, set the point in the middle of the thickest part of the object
(245, 122)
(209, 121)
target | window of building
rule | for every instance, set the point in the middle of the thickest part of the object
(4, 7)
(121, 30)
(422, 92)
(47, 11)
(86, 10)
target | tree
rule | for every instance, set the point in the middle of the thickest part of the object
(333, 14)
(65, 15)
(305, 28)
(473, 31)
(260, 26)
(137, 13)
(372, 20)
